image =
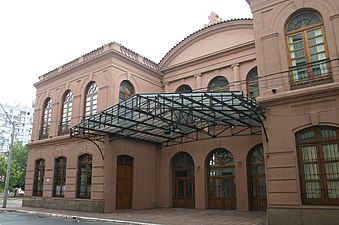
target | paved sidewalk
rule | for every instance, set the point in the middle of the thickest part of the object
(164, 216)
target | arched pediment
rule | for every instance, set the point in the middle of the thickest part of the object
(211, 40)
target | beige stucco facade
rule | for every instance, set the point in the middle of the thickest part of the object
(231, 49)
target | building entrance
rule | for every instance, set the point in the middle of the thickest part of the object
(183, 181)
(256, 165)
(221, 176)
(124, 182)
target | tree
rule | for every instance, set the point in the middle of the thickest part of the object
(3, 166)
(18, 167)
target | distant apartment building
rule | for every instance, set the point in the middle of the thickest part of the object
(22, 116)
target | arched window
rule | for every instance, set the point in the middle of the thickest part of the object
(221, 178)
(38, 182)
(318, 160)
(252, 83)
(126, 90)
(307, 49)
(91, 100)
(66, 113)
(257, 181)
(46, 122)
(183, 181)
(59, 177)
(218, 84)
(84, 182)
(184, 89)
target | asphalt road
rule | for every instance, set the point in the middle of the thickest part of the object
(11, 218)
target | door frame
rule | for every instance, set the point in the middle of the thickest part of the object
(187, 164)
(125, 162)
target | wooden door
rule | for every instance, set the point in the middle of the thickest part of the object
(257, 187)
(183, 181)
(222, 193)
(258, 198)
(183, 193)
(221, 176)
(124, 183)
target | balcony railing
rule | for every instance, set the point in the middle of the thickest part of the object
(44, 132)
(63, 129)
(310, 74)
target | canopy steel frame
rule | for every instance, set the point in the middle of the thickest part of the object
(169, 119)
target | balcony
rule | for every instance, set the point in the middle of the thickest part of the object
(44, 132)
(312, 74)
(63, 129)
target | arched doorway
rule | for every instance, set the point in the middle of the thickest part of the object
(221, 178)
(183, 181)
(124, 182)
(256, 171)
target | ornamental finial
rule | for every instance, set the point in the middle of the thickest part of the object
(214, 18)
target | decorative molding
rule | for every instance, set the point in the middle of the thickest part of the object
(111, 47)
(235, 65)
(268, 36)
(336, 16)
(214, 18)
(92, 54)
(299, 3)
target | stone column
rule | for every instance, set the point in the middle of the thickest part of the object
(198, 85)
(77, 110)
(55, 120)
(236, 77)
(166, 87)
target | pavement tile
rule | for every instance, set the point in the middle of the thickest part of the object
(164, 216)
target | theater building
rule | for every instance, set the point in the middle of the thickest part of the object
(240, 115)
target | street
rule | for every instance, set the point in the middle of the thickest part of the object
(11, 218)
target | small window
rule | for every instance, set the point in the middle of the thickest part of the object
(46, 122)
(84, 182)
(307, 50)
(66, 113)
(38, 182)
(252, 83)
(59, 177)
(91, 100)
(184, 89)
(219, 84)
(126, 90)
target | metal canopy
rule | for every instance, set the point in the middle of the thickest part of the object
(168, 119)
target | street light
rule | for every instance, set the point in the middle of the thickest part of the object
(8, 171)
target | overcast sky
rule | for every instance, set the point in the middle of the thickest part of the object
(38, 36)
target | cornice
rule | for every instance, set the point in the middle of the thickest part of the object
(112, 47)
(198, 60)
(48, 141)
(291, 96)
(209, 30)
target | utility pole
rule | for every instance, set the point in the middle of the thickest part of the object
(8, 171)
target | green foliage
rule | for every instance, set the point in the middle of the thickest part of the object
(3, 166)
(18, 167)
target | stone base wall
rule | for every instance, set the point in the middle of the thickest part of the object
(279, 216)
(64, 204)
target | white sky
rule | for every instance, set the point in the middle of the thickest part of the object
(37, 36)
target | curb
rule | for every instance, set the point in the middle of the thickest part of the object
(74, 217)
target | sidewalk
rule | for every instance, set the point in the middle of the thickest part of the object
(165, 216)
